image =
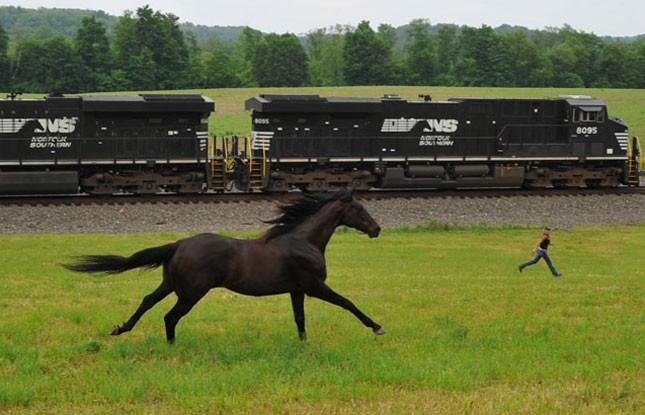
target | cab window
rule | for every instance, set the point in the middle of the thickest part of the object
(580, 115)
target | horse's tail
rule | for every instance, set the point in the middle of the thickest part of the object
(113, 264)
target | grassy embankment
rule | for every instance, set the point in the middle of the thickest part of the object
(465, 331)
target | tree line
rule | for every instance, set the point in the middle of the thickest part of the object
(147, 50)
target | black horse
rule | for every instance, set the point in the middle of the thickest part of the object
(288, 258)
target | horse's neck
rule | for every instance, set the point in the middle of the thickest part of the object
(321, 226)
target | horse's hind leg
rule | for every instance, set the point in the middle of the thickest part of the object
(148, 302)
(298, 304)
(183, 306)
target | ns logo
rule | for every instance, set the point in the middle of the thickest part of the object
(56, 125)
(430, 125)
(441, 126)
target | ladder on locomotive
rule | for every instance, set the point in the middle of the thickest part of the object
(257, 165)
(633, 163)
(220, 163)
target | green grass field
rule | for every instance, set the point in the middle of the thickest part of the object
(466, 333)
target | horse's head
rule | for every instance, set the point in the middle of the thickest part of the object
(355, 216)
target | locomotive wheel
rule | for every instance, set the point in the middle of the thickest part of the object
(529, 184)
(277, 185)
(318, 186)
(559, 183)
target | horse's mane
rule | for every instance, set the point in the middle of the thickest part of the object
(295, 212)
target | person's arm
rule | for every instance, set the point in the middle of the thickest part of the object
(537, 245)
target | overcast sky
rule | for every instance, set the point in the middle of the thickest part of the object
(603, 17)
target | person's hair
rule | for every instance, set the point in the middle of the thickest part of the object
(546, 228)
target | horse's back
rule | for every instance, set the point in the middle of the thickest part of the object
(208, 245)
(203, 260)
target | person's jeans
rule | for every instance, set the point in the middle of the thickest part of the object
(541, 253)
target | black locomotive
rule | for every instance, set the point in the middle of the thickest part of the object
(315, 142)
(104, 144)
(153, 143)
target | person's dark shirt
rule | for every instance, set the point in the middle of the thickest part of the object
(545, 243)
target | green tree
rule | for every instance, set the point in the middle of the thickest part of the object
(387, 33)
(195, 71)
(637, 63)
(326, 59)
(48, 66)
(248, 44)
(141, 71)
(218, 72)
(447, 51)
(368, 60)
(483, 59)
(565, 64)
(530, 66)
(280, 60)
(93, 49)
(420, 53)
(4, 61)
(586, 49)
(152, 41)
(619, 66)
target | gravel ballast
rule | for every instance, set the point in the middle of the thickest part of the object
(554, 211)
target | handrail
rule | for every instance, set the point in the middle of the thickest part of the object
(249, 154)
(264, 162)
(529, 125)
(634, 154)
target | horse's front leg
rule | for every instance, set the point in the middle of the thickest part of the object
(298, 304)
(322, 291)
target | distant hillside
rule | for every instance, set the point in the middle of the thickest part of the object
(20, 23)
(505, 28)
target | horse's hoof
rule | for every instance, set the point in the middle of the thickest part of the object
(379, 331)
(303, 336)
(116, 330)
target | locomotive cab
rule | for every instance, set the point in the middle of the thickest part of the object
(598, 141)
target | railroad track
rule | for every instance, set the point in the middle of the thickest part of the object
(76, 200)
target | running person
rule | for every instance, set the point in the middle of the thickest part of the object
(541, 252)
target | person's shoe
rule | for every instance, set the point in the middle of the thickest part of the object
(520, 268)
(557, 275)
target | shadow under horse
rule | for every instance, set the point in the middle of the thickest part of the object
(288, 258)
